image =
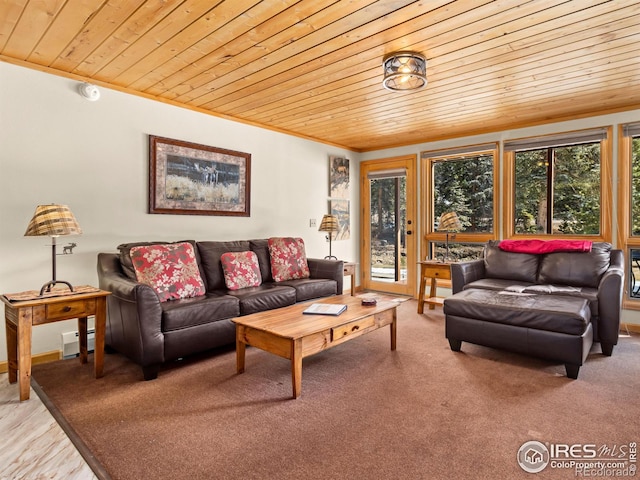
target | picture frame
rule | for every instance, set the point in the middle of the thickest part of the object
(340, 208)
(338, 177)
(192, 179)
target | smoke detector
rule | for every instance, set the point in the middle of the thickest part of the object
(90, 92)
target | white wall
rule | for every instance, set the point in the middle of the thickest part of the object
(629, 316)
(93, 156)
(58, 147)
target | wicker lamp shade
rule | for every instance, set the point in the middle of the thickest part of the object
(329, 223)
(449, 222)
(52, 220)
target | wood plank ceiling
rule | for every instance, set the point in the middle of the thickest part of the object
(313, 67)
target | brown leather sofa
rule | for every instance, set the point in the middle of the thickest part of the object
(151, 332)
(551, 305)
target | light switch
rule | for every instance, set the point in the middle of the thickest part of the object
(312, 222)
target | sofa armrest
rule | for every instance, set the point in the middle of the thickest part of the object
(463, 273)
(610, 293)
(134, 314)
(330, 269)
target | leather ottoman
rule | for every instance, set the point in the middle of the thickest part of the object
(553, 327)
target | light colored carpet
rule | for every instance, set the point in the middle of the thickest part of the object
(421, 412)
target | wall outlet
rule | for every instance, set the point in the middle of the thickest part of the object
(312, 222)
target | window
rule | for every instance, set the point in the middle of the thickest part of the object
(557, 185)
(387, 191)
(461, 180)
(629, 210)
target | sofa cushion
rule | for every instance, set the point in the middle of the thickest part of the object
(308, 288)
(580, 269)
(210, 253)
(241, 270)
(498, 284)
(508, 265)
(170, 269)
(189, 312)
(265, 297)
(288, 258)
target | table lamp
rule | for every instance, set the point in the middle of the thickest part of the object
(53, 221)
(329, 224)
(449, 222)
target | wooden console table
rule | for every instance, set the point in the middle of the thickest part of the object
(433, 270)
(20, 316)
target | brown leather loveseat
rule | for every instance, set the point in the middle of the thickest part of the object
(551, 305)
(151, 332)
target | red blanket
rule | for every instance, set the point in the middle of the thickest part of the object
(542, 246)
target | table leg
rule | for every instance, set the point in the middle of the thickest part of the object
(296, 367)
(240, 349)
(421, 293)
(12, 350)
(82, 339)
(101, 331)
(353, 284)
(432, 292)
(24, 352)
(394, 330)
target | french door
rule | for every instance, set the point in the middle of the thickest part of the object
(388, 199)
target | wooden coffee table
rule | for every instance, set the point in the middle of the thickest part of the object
(289, 333)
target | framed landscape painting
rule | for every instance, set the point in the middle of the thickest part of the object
(191, 179)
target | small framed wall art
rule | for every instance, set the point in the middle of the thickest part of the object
(191, 179)
(338, 177)
(340, 208)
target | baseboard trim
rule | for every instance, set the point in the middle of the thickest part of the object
(36, 359)
(631, 327)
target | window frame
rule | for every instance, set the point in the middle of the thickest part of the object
(427, 159)
(606, 188)
(626, 241)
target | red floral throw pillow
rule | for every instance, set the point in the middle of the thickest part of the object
(288, 259)
(241, 270)
(171, 270)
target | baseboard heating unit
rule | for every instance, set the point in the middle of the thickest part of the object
(71, 343)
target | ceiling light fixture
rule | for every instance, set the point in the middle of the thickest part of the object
(404, 71)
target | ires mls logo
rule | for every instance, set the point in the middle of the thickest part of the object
(533, 456)
(586, 459)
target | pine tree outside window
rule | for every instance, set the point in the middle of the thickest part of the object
(461, 180)
(559, 186)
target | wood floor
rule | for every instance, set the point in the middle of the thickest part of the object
(32, 444)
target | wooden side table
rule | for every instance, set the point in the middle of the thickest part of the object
(21, 316)
(433, 270)
(350, 269)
